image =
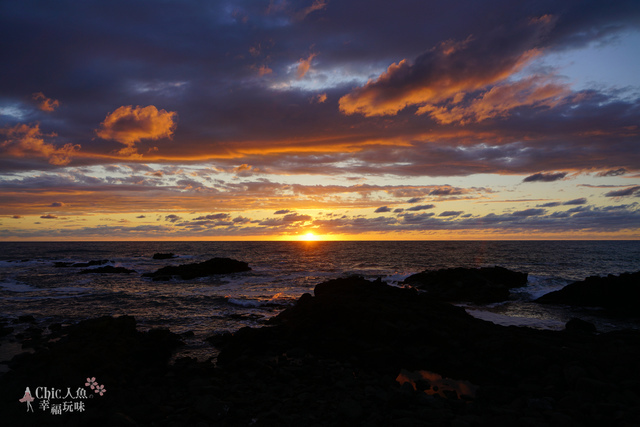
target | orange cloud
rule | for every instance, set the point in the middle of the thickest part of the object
(25, 141)
(304, 65)
(447, 72)
(316, 5)
(499, 100)
(129, 125)
(46, 104)
(263, 70)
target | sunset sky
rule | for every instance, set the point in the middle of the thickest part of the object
(228, 120)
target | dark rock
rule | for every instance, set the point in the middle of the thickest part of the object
(581, 326)
(335, 358)
(55, 327)
(25, 319)
(479, 285)
(109, 269)
(5, 330)
(164, 256)
(201, 269)
(106, 346)
(619, 294)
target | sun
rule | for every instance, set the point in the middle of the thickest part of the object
(309, 237)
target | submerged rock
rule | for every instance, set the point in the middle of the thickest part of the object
(164, 256)
(619, 294)
(201, 269)
(478, 285)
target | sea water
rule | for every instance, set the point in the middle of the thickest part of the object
(31, 284)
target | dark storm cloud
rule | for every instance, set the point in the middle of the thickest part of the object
(545, 177)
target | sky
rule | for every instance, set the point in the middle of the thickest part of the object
(319, 119)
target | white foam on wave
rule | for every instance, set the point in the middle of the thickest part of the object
(15, 286)
(60, 292)
(246, 302)
(394, 279)
(538, 286)
(504, 320)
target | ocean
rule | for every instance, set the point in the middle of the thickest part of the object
(31, 284)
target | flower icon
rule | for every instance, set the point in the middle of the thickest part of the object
(100, 389)
(91, 382)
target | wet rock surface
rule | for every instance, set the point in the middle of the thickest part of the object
(618, 294)
(355, 353)
(201, 269)
(478, 285)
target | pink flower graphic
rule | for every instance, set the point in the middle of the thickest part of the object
(91, 382)
(100, 389)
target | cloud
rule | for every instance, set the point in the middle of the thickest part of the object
(315, 6)
(304, 65)
(580, 201)
(446, 191)
(25, 141)
(545, 177)
(294, 217)
(451, 213)
(549, 205)
(382, 209)
(46, 104)
(141, 216)
(128, 125)
(529, 212)
(500, 100)
(172, 218)
(416, 199)
(56, 205)
(421, 207)
(282, 212)
(612, 172)
(624, 193)
(213, 217)
(49, 216)
(448, 71)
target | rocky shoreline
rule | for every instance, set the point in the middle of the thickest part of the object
(356, 352)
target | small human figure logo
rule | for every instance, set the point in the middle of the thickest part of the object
(27, 398)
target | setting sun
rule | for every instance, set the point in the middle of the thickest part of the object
(309, 237)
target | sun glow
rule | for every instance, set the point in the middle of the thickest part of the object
(309, 237)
